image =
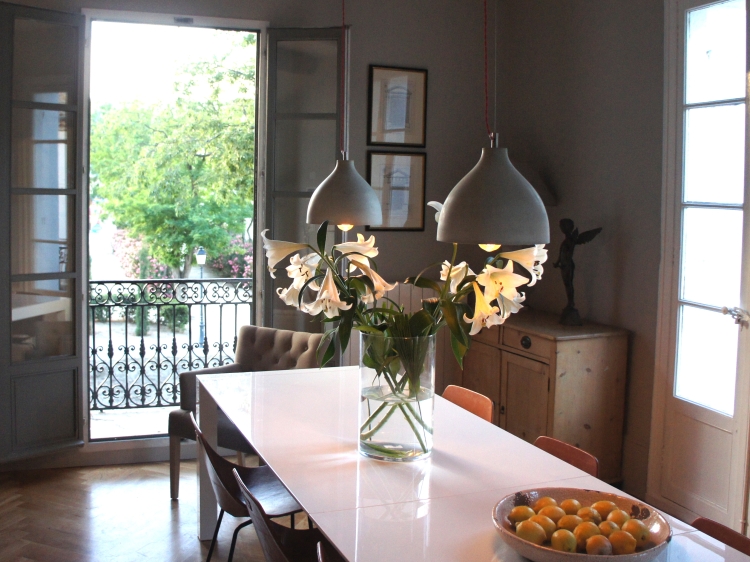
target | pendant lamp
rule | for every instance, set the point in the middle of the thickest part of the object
(344, 198)
(493, 204)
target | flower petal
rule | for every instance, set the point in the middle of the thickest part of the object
(531, 259)
(277, 250)
(361, 246)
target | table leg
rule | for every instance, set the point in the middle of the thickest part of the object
(207, 421)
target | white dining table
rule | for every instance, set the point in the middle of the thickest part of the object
(304, 424)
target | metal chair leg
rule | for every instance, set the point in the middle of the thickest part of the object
(216, 534)
(234, 537)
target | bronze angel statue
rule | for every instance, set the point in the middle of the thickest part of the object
(570, 315)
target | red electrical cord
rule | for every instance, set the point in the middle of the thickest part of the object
(486, 79)
(343, 74)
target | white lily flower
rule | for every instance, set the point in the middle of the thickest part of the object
(381, 285)
(303, 268)
(510, 306)
(361, 246)
(438, 207)
(458, 273)
(328, 301)
(500, 282)
(485, 315)
(277, 250)
(290, 296)
(531, 259)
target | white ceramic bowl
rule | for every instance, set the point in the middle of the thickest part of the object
(661, 533)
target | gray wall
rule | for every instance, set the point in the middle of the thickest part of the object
(580, 99)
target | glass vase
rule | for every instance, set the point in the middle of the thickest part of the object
(397, 392)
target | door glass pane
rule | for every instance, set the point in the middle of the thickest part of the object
(305, 153)
(42, 151)
(45, 59)
(42, 319)
(706, 359)
(42, 234)
(711, 256)
(715, 154)
(715, 44)
(307, 76)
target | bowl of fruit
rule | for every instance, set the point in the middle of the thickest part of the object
(553, 524)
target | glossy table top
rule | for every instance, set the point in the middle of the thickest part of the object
(304, 424)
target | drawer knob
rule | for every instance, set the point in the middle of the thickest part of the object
(526, 342)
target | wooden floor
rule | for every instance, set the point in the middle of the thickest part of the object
(112, 514)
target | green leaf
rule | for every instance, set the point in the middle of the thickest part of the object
(368, 329)
(451, 318)
(307, 283)
(421, 323)
(345, 328)
(423, 283)
(459, 350)
(322, 233)
(330, 352)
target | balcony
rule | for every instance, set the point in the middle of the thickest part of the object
(144, 333)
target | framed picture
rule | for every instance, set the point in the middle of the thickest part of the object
(398, 179)
(397, 106)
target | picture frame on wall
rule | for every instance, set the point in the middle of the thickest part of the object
(398, 178)
(397, 106)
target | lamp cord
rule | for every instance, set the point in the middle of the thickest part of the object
(486, 79)
(343, 78)
(495, 37)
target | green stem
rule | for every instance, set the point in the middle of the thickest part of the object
(418, 418)
(413, 428)
(373, 416)
(386, 451)
(381, 423)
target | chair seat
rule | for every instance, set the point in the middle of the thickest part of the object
(227, 434)
(268, 490)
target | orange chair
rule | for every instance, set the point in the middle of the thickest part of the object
(477, 404)
(724, 534)
(570, 454)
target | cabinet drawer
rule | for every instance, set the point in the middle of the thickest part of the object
(490, 336)
(528, 343)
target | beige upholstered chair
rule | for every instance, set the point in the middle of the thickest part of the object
(258, 349)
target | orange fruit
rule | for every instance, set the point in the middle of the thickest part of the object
(608, 527)
(570, 507)
(622, 542)
(546, 523)
(520, 513)
(589, 514)
(618, 517)
(564, 541)
(543, 502)
(530, 531)
(553, 512)
(639, 531)
(604, 507)
(598, 544)
(569, 522)
(584, 532)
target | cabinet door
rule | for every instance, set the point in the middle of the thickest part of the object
(525, 395)
(482, 372)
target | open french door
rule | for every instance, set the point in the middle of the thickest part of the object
(41, 90)
(698, 458)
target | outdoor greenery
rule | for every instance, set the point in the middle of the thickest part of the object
(179, 175)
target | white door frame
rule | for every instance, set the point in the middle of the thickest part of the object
(666, 342)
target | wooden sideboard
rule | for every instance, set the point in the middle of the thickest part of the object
(567, 382)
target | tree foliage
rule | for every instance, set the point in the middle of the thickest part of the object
(181, 175)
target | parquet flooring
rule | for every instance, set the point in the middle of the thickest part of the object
(109, 514)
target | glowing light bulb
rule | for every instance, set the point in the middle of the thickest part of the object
(489, 247)
(346, 227)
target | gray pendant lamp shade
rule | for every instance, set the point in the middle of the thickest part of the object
(494, 204)
(345, 197)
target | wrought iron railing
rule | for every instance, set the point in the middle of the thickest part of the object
(143, 333)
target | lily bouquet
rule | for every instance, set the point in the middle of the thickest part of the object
(343, 289)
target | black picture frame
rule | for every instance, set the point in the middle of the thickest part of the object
(397, 106)
(398, 179)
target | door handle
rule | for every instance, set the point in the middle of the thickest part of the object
(740, 315)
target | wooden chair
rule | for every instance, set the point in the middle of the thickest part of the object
(722, 533)
(326, 553)
(570, 454)
(265, 485)
(279, 543)
(477, 404)
(258, 349)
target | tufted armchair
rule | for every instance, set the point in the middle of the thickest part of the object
(258, 349)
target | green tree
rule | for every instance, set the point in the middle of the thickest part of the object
(181, 175)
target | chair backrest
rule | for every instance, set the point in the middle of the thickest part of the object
(268, 349)
(722, 533)
(228, 494)
(326, 553)
(279, 543)
(477, 404)
(570, 454)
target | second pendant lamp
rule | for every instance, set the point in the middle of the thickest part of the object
(344, 198)
(493, 204)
